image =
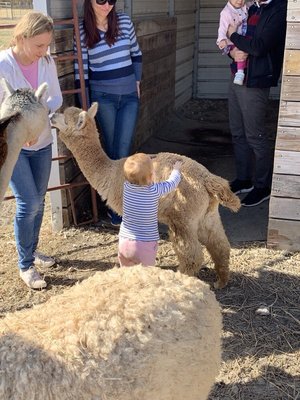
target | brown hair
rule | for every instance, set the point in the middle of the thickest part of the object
(91, 31)
(138, 169)
(32, 24)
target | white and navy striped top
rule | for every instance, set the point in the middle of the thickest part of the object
(112, 69)
(140, 208)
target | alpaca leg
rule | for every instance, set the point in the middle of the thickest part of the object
(187, 248)
(211, 234)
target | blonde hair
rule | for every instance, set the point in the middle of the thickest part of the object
(138, 169)
(32, 24)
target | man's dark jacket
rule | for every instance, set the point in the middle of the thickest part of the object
(266, 48)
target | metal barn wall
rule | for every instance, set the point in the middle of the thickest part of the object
(284, 222)
(213, 71)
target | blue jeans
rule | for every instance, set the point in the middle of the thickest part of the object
(29, 184)
(117, 116)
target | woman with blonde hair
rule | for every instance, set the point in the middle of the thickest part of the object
(27, 64)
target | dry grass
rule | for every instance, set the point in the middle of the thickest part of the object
(261, 356)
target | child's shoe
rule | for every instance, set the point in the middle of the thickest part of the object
(239, 78)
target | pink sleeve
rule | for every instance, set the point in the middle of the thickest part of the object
(225, 21)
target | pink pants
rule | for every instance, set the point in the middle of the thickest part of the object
(133, 252)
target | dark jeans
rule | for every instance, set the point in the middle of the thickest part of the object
(252, 149)
(117, 116)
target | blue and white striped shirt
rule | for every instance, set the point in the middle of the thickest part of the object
(140, 208)
(112, 69)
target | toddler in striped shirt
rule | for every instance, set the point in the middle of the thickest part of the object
(139, 234)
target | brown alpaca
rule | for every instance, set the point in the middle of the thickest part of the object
(191, 211)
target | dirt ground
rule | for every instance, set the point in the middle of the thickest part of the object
(260, 306)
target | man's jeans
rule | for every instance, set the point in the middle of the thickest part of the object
(29, 185)
(117, 116)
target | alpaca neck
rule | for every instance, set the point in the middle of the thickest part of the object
(96, 166)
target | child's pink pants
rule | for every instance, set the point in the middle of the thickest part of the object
(133, 252)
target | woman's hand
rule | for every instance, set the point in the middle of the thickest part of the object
(238, 55)
(232, 29)
(31, 143)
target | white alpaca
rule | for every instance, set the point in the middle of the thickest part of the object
(23, 116)
(191, 211)
(132, 333)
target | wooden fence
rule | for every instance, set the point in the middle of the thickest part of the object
(284, 222)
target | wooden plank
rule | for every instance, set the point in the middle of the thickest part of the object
(293, 36)
(209, 29)
(213, 89)
(291, 88)
(184, 69)
(284, 234)
(287, 162)
(153, 25)
(286, 186)
(288, 138)
(185, 37)
(293, 13)
(184, 54)
(216, 3)
(148, 7)
(185, 21)
(208, 44)
(291, 62)
(289, 113)
(183, 97)
(283, 208)
(185, 5)
(214, 73)
(183, 84)
(213, 59)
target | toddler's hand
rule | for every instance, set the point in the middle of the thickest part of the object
(177, 165)
(222, 44)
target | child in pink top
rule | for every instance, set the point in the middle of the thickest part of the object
(235, 12)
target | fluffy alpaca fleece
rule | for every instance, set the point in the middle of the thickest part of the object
(23, 116)
(3, 139)
(191, 211)
(125, 334)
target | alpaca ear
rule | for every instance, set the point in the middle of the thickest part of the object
(41, 90)
(81, 123)
(6, 86)
(92, 111)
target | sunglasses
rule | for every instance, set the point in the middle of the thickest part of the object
(102, 2)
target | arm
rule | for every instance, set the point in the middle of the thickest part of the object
(54, 101)
(136, 54)
(270, 36)
(170, 184)
(225, 21)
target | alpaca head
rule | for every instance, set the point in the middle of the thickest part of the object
(23, 100)
(73, 122)
(30, 105)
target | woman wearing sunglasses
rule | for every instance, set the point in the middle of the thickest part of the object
(112, 62)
